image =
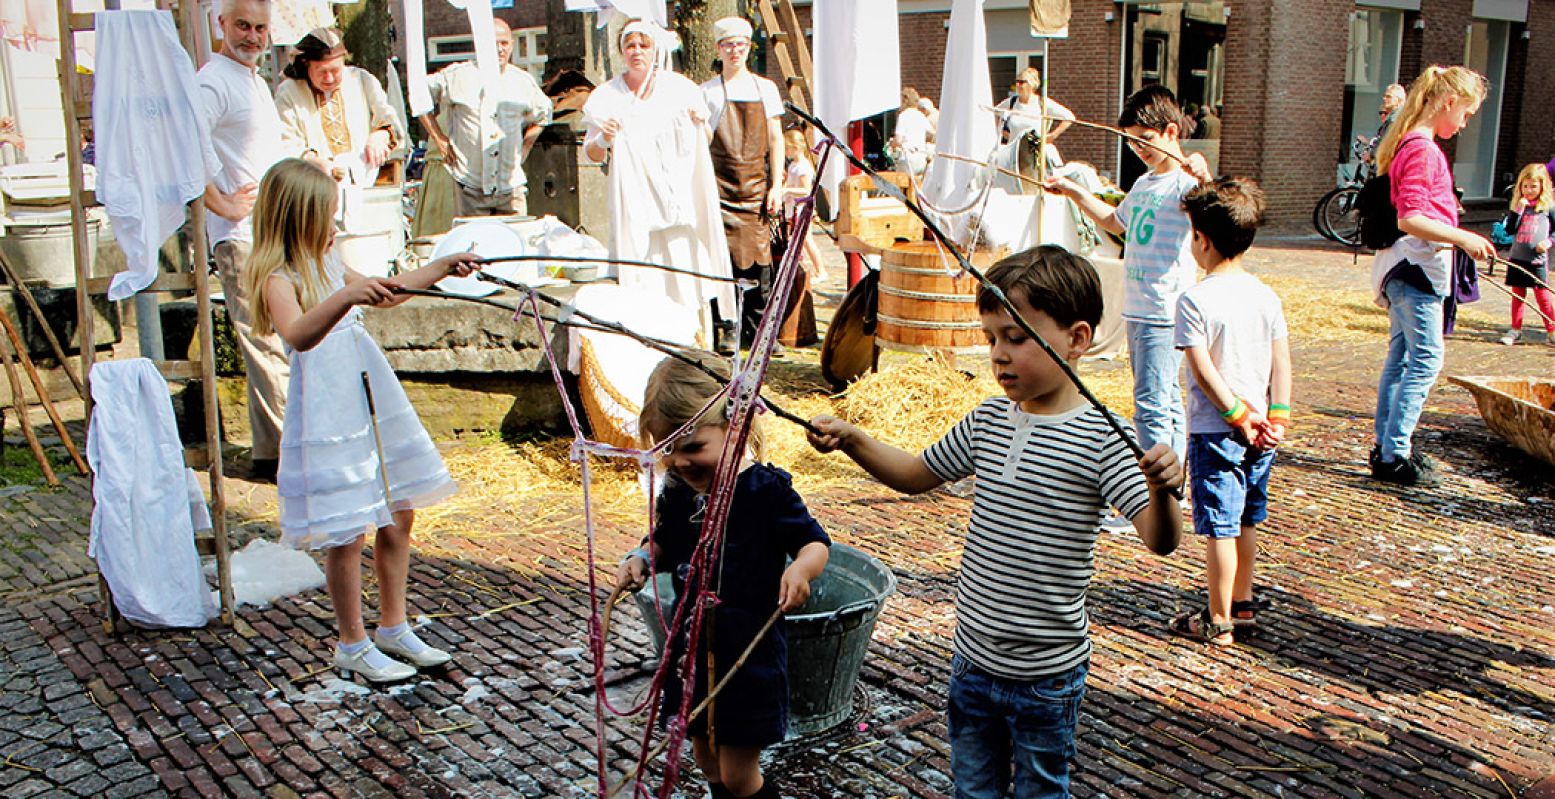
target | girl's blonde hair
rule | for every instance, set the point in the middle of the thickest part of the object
(1427, 96)
(1541, 175)
(796, 137)
(294, 222)
(1033, 78)
(677, 391)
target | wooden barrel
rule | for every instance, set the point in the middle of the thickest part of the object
(922, 308)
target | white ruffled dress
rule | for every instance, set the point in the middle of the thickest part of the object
(329, 479)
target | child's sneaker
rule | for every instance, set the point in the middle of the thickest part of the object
(1416, 470)
(1117, 523)
(1511, 337)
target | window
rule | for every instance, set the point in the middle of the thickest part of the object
(1152, 58)
(1004, 68)
(1370, 65)
(1484, 52)
(528, 50)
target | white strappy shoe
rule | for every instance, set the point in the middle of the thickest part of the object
(428, 657)
(392, 671)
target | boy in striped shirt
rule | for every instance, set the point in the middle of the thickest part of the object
(1047, 466)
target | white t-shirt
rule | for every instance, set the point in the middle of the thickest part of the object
(747, 88)
(1158, 262)
(1026, 120)
(1238, 319)
(245, 133)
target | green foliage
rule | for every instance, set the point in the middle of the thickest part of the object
(365, 28)
(19, 467)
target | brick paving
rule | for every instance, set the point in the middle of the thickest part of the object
(1410, 651)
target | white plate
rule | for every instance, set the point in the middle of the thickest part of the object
(488, 239)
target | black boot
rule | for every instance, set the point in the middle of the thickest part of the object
(725, 338)
(768, 790)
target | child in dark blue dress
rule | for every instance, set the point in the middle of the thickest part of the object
(768, 524)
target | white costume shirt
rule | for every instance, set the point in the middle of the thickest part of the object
(487, 128)
(245, 132)
(747, 88)
(662, 192)
(366, 106)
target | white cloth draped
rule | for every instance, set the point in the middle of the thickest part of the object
(420, 95)
(142, 521)
(965, 130)
(857, 68)
(662, 192)
(154, 150)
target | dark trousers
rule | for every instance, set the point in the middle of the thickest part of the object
(754, 299)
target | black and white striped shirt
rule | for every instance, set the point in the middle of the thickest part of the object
(1042, 485)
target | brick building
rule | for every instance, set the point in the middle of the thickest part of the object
(1297, 80)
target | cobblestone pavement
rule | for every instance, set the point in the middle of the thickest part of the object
(1410, 651)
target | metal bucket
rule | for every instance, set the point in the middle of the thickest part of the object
(47, 252)
(375, 233)
(827, 638)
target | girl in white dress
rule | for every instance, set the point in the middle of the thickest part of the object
(332, 482)
(797, 181)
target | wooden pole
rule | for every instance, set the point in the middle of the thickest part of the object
(19, 402)
(43, 392)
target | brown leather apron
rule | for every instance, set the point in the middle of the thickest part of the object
(740, 151)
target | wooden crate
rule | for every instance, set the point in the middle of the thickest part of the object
(873, 218)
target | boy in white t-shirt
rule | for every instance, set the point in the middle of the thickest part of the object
(1233, 330)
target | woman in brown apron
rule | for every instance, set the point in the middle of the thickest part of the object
(747, 151)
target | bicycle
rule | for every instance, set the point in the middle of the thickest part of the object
(1336, 215)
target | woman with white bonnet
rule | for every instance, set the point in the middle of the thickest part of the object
(335, 114)
(651, 126)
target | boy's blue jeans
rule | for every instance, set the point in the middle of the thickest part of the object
(996, 723)
(1158, 414)
(1415, 350)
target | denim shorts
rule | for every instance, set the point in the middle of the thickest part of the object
(1229, 482)
(1012, 738)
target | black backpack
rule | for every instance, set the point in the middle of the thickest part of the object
(1379, 219)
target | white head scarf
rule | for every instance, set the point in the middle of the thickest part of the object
(730, 27)
(664, 41)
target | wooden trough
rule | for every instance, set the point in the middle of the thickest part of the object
(1520, 410)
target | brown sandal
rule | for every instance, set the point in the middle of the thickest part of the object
(1197, 625)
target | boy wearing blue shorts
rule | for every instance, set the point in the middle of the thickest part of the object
(1232, 330)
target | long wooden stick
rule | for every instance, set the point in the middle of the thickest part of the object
(1098, 126)
(888, 189)
(43, 393)
(1523, 300)
(19, 402)
(383, 466)
(43, 322)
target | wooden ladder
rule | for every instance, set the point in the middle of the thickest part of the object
(787, 40)
(76, 94)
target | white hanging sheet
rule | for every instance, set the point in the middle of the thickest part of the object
(858, 71)
(144, 500)
(147, 120)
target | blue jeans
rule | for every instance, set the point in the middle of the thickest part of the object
(1229, 482)
(1415, 349)
(995, 722)
(1158, 415)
